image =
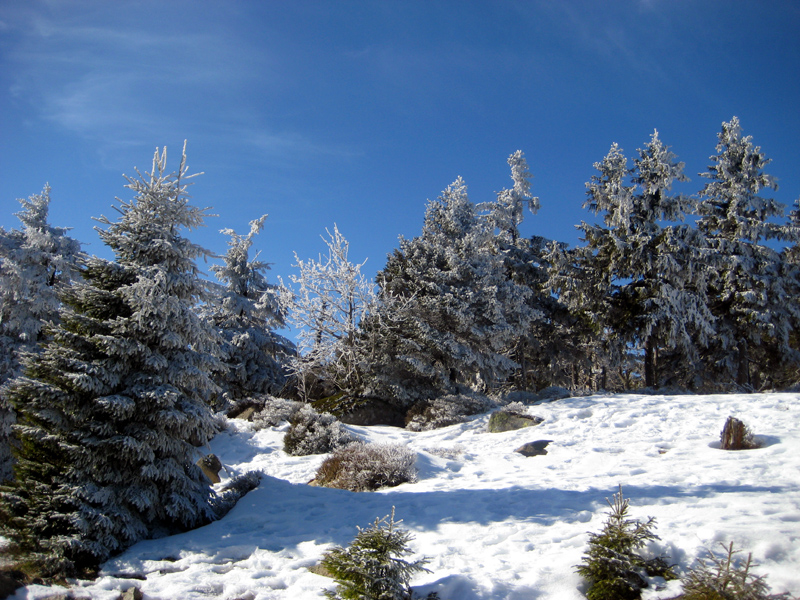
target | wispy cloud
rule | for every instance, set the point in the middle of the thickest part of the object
(117, 81)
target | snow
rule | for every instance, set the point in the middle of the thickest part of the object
(497, 525)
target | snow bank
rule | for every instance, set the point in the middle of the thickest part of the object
(497, 525)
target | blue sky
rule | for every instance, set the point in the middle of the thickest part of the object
(357, 112)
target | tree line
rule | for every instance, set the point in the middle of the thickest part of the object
(114, 369)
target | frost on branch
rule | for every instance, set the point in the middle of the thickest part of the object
(331, 298)
(448, 315)
(245, 313)
(110, 410)
(36, 261)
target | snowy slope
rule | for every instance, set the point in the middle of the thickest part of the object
(497, 525)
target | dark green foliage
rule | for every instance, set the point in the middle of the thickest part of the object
(371, 568)
(611, 565)
(111, 409)
(721, 578)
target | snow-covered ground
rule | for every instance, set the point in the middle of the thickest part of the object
(495, 524)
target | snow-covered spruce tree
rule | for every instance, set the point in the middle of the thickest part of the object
(371, 568)
(538, 349)
(245, 313)
(507, 212)
(639, 280)
(755, 313)
(448, 314)
(110, 411)
(35, 261)
(331, 299)
(612, 566)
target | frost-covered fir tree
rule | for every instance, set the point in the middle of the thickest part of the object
(331, 298)
(371, 568)
(110, 411)
(639, 279)
(245, 313)
(748, 295)
(507, 211)
(35, 261)
(448, 314)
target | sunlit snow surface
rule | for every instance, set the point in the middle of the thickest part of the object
(495, 524)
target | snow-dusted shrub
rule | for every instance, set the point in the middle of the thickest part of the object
(516, 408)
(446, 410)
(361, 467)
(723, 578)
(314, 433)
(275, 412)
(233, 491)
(371, 568)
(611, 565)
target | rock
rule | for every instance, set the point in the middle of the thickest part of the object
(9, 582)
(132, 593)
(374, 412)
(507, 421)
(247, 413)
(536, 448)
(211, 467)
(319, 569)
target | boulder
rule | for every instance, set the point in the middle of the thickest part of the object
(10, 581)
(374, 412)
(508, 421)
(132, 593)
(536, 448)
(211, 467)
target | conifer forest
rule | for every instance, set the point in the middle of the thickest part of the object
(116, 372)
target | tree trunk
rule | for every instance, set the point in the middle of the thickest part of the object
(649, 364)
(743, 371)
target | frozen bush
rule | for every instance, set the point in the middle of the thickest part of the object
(314, 433)
(275, 412)
(361, 467)
(446, 410)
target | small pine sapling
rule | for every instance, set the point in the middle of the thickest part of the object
(371, 568)
(721, 578)
(611, 565)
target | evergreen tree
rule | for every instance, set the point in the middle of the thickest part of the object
(35, 261)
(448, 313)
(246, 313)
(507, 211)
(612, 566)
(110, 410)
(754, 311)
(371, 568)
(637, 279)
